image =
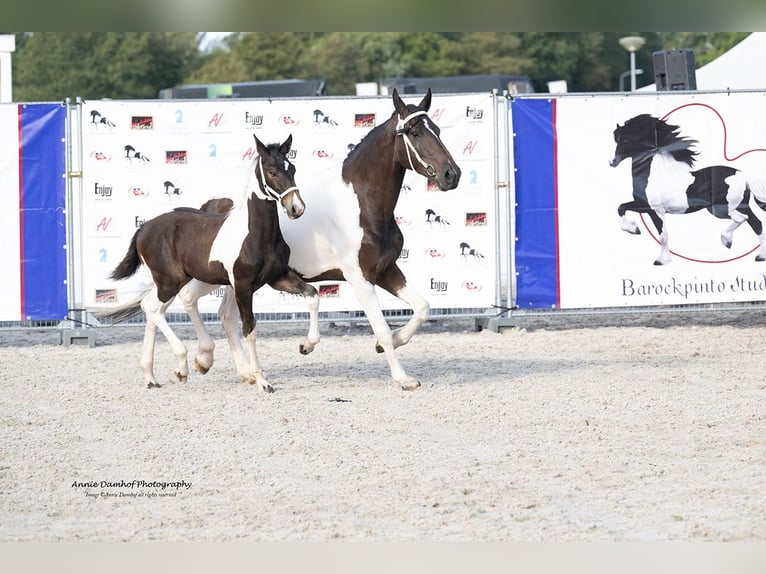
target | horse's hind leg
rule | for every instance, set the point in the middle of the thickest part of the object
(757, 226)
(155, 318)
(727, 235)
(291, 282)
(190, 294)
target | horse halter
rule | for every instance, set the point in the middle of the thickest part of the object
(267, 192)
(401, 131)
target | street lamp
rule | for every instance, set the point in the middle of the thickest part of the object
(624, 75)
(632, 44)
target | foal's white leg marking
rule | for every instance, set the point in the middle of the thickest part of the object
(420, 309)
(229, 315)
(155, 315)
(190, 294)
(249, 371)
(312, 338)
(368, 298)
(256, 373)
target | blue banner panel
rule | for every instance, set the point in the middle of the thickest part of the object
(534, 147)
(42, 150)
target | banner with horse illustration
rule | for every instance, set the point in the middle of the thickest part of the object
(143, 158)
(33, 203)
(640, 200)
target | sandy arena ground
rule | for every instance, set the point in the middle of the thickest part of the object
(630, 428)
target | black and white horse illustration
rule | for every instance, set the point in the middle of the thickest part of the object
(433, 217)
(664, 182)
(320, 118)
(171, 189)
(98, 120)
(467, 251)
(131, 154)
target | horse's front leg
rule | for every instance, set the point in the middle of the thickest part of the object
(190, 294)
(291, 282)
(368, 298)
(243, 293)
(658, 218)
(626, 224)
(394, 281)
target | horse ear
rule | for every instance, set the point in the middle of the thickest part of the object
(259, 145)
(400, 106)
(284, 149)
(425, 103)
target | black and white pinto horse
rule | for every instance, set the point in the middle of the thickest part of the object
(350, 232)
(663, 182)
(242, 247)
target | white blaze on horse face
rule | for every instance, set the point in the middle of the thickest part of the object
(667, 184)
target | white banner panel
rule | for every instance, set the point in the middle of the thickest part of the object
(10, 237)
(600, 264)
(142, 158)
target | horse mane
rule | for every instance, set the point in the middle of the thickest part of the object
(366, 142)
(667, 138)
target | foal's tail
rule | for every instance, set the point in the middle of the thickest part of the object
(124, 312)
(130, 263)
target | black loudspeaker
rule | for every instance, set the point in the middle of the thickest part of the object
(674, 70)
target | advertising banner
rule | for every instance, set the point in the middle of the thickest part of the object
(33, 203)
(143, 158)
(640, 200)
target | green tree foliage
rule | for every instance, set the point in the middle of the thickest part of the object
(51, 66)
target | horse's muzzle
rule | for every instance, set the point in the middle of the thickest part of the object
(449, 179)
(293, 205)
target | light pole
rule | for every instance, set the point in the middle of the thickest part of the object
(632, 44)
(624, 75)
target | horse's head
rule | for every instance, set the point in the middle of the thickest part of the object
(420, 148)
(637, 137)
(276, 176)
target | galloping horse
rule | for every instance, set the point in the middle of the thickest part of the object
(664, 183)
(242, 247)
(350, 232)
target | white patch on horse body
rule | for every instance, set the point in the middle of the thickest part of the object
(328, 234)
(737, 184)
(228, 243)
(667, 184)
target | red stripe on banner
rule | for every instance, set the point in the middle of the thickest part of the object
(556, 202)
(22, 305)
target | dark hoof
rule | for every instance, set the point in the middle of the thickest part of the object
(153, 386)
(760, 258)
(378, 348)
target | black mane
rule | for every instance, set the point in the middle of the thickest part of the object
(657, 136)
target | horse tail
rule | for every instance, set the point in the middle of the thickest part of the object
(124, 312)
(130, 263)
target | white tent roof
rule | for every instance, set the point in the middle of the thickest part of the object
(740, 68)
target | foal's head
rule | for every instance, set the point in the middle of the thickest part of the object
(276, 176)
(419, 146)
